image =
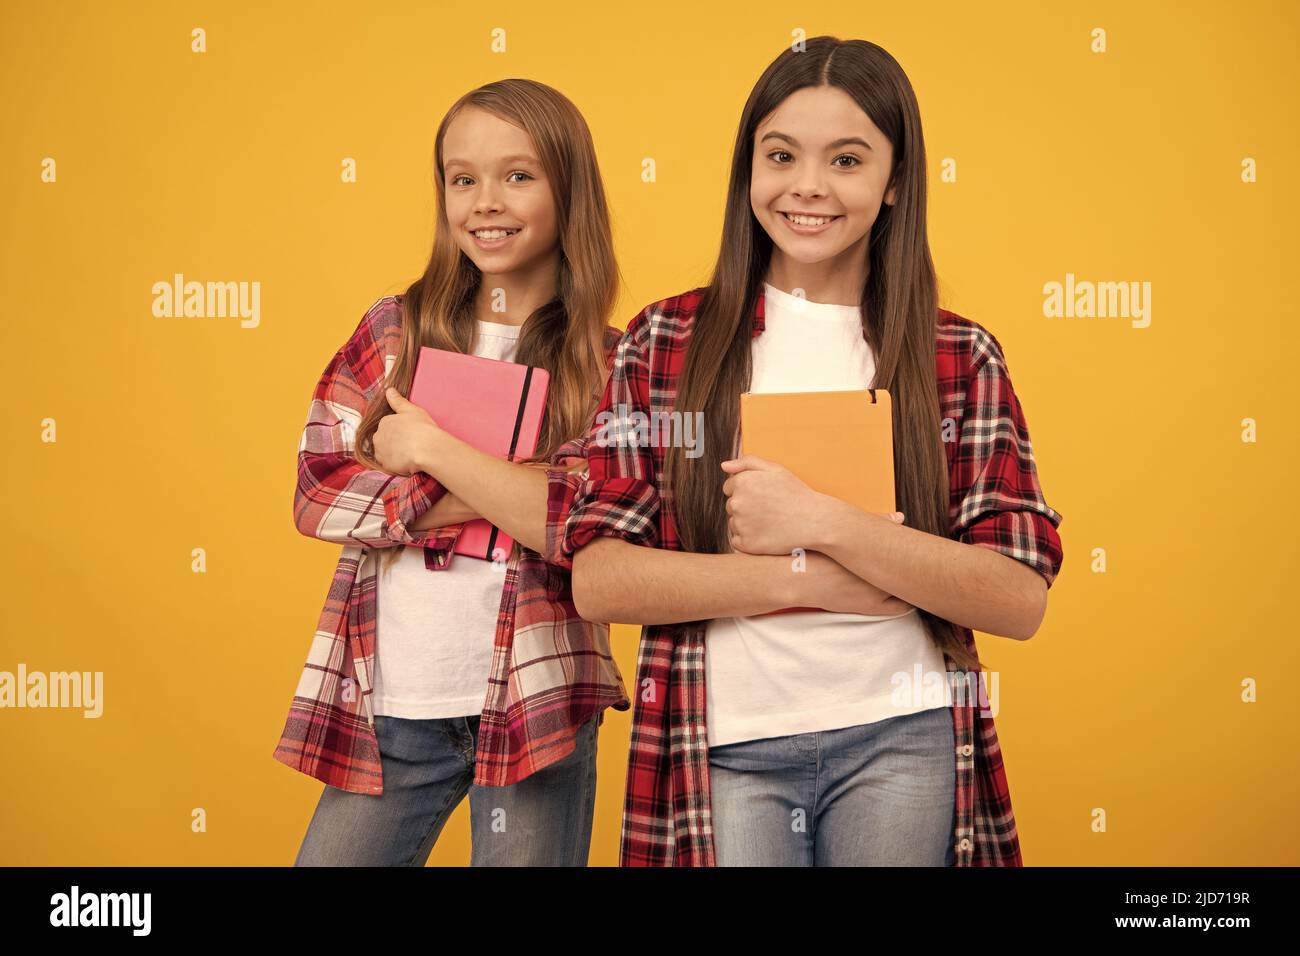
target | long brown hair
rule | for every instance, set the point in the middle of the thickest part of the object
(899, 308)
(564, 336)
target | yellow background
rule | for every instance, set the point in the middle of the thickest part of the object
(182, 433)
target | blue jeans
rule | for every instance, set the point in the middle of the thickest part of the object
(879, 794)
(428, 766)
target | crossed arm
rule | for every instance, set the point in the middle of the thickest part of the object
(511, 495)
(864, 563)
(614, 580)
(969, 584)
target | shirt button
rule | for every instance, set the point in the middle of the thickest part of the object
(965, 750)
(964, 845)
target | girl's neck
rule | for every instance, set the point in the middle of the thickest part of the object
(833, 281)
(510, 298)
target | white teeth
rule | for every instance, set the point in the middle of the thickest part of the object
(488, 234)
(808, 220)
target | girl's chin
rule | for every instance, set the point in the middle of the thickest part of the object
(488, 261)
(807, 253)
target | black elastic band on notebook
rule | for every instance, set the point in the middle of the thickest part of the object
(514, 443)
(519, 415)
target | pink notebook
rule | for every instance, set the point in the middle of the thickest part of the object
(495, 406)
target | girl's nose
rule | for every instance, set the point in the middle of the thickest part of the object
(489, 200)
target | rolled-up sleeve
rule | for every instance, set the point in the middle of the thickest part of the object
(996, 499)
(611, 490)
(338, 499)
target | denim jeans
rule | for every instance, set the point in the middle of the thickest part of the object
(428, 766)
(878, 794)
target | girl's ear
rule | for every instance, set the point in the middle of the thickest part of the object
(891, 190)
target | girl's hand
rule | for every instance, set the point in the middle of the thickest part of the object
(771, 511)
(827, 584)
(403, 439)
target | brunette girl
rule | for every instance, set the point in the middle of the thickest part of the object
(815, 737)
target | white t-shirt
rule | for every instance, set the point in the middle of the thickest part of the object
(795, 673)
(435, 629)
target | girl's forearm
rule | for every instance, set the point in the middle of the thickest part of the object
(447, 510)
(614, 580)
(970, 585)
(511, 496)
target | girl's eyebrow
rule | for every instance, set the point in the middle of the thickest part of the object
(517, 158)
(845, 141)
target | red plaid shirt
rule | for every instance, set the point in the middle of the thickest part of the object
(551, 670)
(995, 502)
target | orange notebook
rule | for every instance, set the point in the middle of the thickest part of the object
(839, 443)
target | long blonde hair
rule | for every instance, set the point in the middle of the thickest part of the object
(564, 336)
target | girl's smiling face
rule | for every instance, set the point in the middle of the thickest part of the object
(819, 175)
(499, 203)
